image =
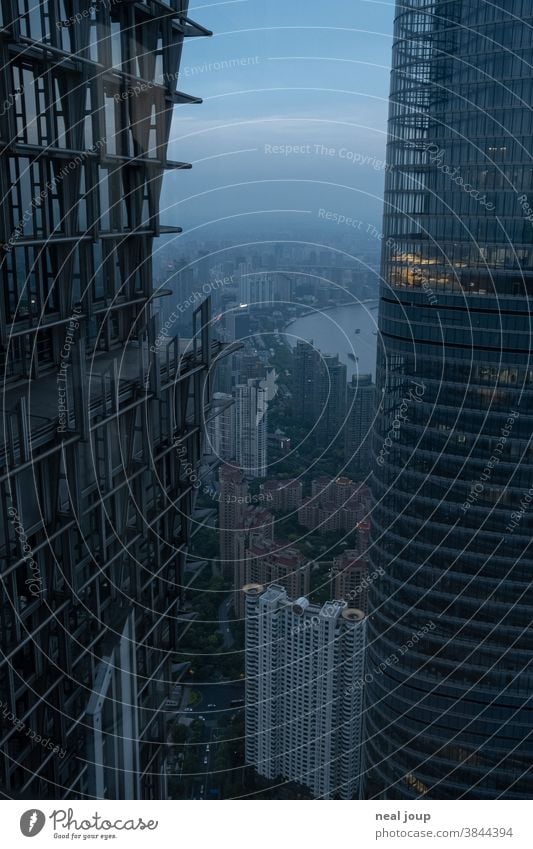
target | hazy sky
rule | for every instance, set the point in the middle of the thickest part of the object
(276, 73)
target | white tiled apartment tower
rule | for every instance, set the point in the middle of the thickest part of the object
(304, 674)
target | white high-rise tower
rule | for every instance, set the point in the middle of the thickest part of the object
(304, 685)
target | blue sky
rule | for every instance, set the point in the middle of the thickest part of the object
(277, 76)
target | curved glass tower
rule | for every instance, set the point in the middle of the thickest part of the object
(449, 707)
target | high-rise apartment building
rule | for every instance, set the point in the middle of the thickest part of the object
(304, 676)
(238, 518)
(276, 561)
(334, 504)
(97, 410)
(258, 526)
(339, 492)
(265, 289)
(250, 417)
(360, 403)
(350, 578)
(232, 502)
(285, 494)
(453, 718)
(305, 367)
(220, 435)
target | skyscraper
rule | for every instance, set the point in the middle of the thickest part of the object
(250, 415)
(452, 716)
(96, 515)
(233, 500)
(319, 392)
(330, 385)
(238, 518)
(220, 436)
(360, 402)
(305, 366)
(258, 526)
(304, 673)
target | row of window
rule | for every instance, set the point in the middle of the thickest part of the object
(54, 23)
(473, 229)
(422, 149)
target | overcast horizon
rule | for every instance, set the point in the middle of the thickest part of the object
(293, 118)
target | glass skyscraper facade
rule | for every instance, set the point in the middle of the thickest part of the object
(449, 699)
(103, 416)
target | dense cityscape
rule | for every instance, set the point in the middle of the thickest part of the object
(282, 500)
(266, 526)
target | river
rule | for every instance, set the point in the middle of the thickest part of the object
(333, 332)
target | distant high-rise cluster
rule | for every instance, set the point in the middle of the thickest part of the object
(264, 289)
(304, 680)
(249, 284)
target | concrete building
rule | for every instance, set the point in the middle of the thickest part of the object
(337, 492)
(350, 579)
(258, 523)
(275, 561)
(279, 442)
(286, 494)
(265, 289)
(238, 518)
(304, 677)
(220, 444)
(233, 500)
(250, 416)
(335, 504)
(363, 536)
(248, 366)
